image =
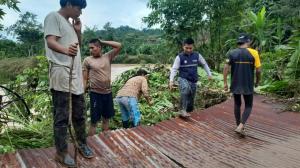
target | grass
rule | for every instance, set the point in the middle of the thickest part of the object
(11, 67)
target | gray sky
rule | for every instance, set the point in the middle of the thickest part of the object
(97, 12)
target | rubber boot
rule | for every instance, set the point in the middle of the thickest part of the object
(65, 159)
(125, 124)
(133, 125)
(60, 138)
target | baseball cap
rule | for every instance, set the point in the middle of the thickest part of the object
(243, 38)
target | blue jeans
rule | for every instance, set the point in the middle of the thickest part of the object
(187, 94)
(129, 109)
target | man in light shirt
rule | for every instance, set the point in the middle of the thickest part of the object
(187, 63)
(62, 41)
(128, 96)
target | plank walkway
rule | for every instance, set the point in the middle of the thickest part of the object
(205, 140)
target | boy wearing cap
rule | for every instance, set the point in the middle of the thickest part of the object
(97, 75)
(242, 61)
(187, 63)
(128, 96)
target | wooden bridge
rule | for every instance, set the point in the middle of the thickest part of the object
(207, 140)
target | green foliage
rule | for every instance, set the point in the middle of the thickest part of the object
(35, 130)
(166, 102)
(11, 67)
(134, 42)
(33, 85)
(278, 87)
(259, 21)
(274, 65)
(10, 4)
(293, 67)
(29, 33)
(209, 22)
(36, 134)
(179, 19)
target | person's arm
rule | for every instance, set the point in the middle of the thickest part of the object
(77, 27)
(145, 91)
(85, 79)
(85, 74)
(116, 48)
(225, 74)
(55, 46)
(257, 68)
(52, 33)
(258, 76)
(174, 70)
(205, 66)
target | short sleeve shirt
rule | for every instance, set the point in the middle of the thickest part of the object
(243, 61)
(59, 68)
(134, 87)
(99, 72)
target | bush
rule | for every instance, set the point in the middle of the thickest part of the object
(11, 67)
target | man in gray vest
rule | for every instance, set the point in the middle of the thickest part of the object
(187, 63)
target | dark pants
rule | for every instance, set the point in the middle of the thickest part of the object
(237, 107)
(61, 118)
(187, 94)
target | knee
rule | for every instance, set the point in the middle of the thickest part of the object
(237, 104)
(248, 105)
(61, 122)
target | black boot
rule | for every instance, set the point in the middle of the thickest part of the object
(125, 124)
(132, 124)
(65, 159)
(60, 138)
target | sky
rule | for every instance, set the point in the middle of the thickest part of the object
(97, 12)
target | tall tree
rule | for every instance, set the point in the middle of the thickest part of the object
(29, 32)
(179, 19)
(208, 21)
(10, 4)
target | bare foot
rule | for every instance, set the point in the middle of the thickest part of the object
(92, 131)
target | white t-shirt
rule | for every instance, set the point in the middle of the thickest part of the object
(59, 64)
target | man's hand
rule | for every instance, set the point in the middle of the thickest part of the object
(171, 85)
(77, 25)
(72, 50)
(210, 78)
(225, 87)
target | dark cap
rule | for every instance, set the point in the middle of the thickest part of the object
(142, 72)
(243, 38)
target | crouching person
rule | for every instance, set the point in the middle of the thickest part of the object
(128, 95)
